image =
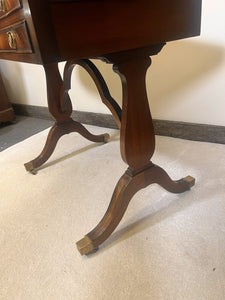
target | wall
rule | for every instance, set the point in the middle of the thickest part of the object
(186, 81)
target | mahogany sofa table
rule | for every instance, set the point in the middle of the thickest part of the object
(122, 32)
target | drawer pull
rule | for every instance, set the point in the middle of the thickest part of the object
(12, 40)
(2, 6)
(15, 39)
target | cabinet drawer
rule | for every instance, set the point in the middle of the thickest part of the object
(15, 39)
(8, 6)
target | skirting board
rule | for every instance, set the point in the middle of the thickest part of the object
(183, 130)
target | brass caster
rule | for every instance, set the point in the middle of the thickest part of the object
(30, 168)
(106, 138)
(190, 181)
(85, 246)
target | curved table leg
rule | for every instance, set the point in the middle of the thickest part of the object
(60, 107)
(137, 145)
(55, 133)
(128, 185)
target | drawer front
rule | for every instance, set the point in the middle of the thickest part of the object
(15, 39)
(8, 6)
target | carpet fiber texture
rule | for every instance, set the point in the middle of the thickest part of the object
(167, 246)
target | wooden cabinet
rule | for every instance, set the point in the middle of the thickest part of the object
(15, 39)
(8, 6)
(6, 111)
(18, 39)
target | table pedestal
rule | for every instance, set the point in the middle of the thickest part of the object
(137, 138)
(60, 106)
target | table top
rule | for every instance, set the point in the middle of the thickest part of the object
(55, 30)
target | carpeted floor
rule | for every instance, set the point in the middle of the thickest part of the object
(24, 127)
(167, 247)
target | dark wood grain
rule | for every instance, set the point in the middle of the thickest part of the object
(124, 33)
(9, 6)
(22, 15)
(19, 35)
(137, 141)
(55, 133)
(128, 185)
(99, 27)
(99, 81)
(137, 145)
(84, 29)
(60, 107)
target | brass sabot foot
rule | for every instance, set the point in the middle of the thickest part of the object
(85, 246)
(189, 180)
(30, 168)
(106, 138)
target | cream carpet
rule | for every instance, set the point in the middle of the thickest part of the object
(167, 247)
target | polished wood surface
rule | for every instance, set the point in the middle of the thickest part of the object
(128, 185)
(9, 6)
(60, 106)
(62, 30)
(15, 39)
(126, 34)
(56, 132)
(99, 27)
(137, 141)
